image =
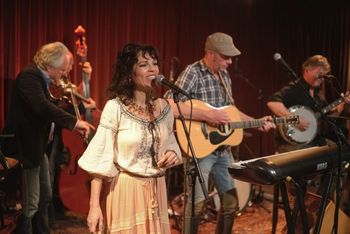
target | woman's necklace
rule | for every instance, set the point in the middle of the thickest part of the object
(141, 110)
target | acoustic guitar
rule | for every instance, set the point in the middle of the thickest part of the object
(206, 138)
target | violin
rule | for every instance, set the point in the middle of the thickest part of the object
(61, 91)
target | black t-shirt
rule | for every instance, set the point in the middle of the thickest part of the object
(297, 93)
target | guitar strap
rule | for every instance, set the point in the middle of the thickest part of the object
(227, 91)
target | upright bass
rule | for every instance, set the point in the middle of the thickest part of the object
(74, 183)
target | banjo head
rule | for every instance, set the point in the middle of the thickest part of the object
(294, 135)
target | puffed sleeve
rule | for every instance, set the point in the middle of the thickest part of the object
(172, 142)
(102, 152)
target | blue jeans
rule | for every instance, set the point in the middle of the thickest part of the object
(36, 198)
(217, 166)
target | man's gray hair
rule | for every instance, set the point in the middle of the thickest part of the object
(51, 55)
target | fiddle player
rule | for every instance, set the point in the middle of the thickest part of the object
(30, 118)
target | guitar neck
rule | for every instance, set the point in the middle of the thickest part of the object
(256, 123)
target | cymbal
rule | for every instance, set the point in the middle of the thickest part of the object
(338, 117)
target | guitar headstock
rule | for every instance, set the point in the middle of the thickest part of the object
(80, 43)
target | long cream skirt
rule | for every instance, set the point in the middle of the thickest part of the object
(137, 205)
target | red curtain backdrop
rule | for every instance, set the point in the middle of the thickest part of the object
(295, 29)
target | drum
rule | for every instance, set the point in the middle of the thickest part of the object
(244, 193)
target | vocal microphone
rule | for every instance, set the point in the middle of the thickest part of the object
(327, 77)
(161, 80)
(278, 58)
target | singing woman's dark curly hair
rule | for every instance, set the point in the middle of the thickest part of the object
(122, 85)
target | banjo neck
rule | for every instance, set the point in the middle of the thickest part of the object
(331, 106)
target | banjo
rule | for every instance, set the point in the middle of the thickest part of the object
(294, 135)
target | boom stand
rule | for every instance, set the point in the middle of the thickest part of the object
(196, 171)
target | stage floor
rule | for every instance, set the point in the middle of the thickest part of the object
(255, 218)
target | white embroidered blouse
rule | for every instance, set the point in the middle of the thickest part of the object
(125, 142)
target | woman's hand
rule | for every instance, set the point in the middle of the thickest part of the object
(95, 220)
(169, 159)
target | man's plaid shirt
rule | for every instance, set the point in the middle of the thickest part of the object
(202, 85)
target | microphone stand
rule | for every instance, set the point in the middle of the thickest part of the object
(239, 74)
(194, 172)
(260, 97)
